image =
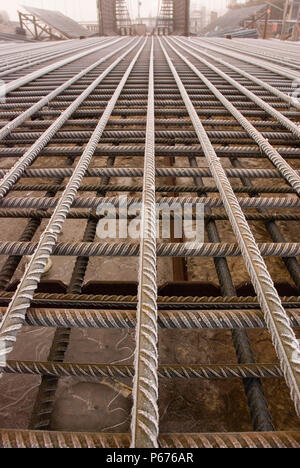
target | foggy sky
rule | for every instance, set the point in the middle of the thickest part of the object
(85, 10)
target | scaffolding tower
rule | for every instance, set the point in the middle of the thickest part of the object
(165, 21)
(174, 17)
(122, 16)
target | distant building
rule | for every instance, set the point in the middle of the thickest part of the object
(7, 26)
(91, 26)
(4, 18)
(150, 23)
(198, 20)
(139, 29)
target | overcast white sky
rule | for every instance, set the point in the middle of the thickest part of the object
(85, 10)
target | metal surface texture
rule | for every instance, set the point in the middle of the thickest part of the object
(169, 121)
(31, 439)
(210, 319)
(283, 336)
(145, 417)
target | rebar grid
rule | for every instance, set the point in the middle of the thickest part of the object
(194, 106)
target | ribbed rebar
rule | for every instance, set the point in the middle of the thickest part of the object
(259, 410)
(93, 108)
(166, 302)
(283, 96)
(79, 214)
(17, 308)
(12, 125)
(95, 202)
(174, 319)
(45, 400)
(138, 135)
(18, 82)
(135, 172)
(262, 140)
(31, 154)
(145, 418)
(51, 440)
(284, 338)
(131, 249)
(56, 369)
